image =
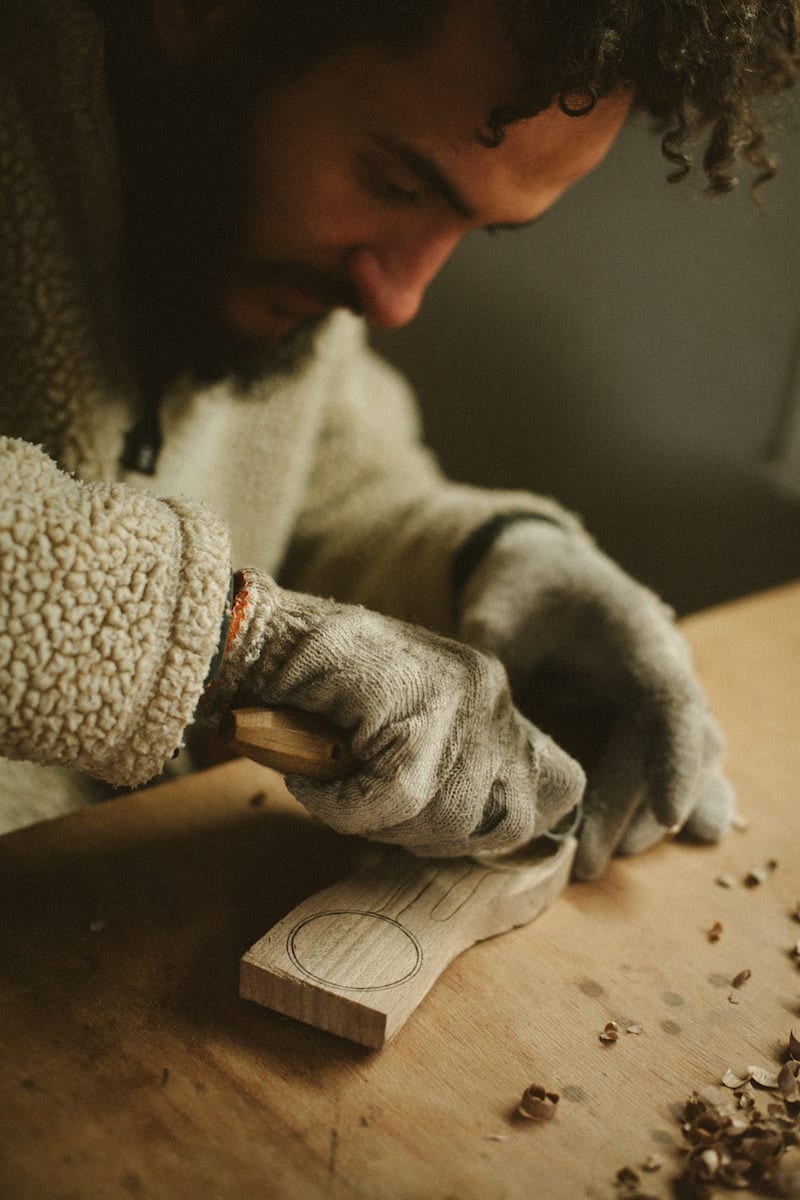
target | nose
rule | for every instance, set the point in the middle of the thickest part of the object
(391, 280)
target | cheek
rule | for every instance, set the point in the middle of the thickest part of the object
(299, 200)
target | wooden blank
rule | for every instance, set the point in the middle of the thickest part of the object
(357, 958)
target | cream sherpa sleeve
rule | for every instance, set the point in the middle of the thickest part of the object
(381, 525)
(110, 610)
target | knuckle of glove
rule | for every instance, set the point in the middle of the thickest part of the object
(713, 813)
(534, 786)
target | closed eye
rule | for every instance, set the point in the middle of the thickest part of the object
(381, 183)
(511, 226)
(387, 189)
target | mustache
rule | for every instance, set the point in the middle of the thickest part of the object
(328, 288)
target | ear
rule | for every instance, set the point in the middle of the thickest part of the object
(191, 30)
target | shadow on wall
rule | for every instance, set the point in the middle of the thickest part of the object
(630, 355)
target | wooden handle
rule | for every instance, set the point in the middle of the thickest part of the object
(289, 741)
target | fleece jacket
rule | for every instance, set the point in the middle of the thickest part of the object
(113, 583)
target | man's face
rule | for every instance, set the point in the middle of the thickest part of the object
(362, 175)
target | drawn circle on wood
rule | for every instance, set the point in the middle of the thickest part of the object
(349, 942)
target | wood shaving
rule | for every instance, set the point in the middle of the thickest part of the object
(627, 1181)
(731, 1080)
(757, 875)
(537, 1104)
(610, 1033)
(789, 1081)
(715, 932)
(763, 1077)
(495, 1137)
(733, 1144)
(726, 881)
(741, 979)
(635, 1029)
(733, 998)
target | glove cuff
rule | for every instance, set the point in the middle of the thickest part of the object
(250, 593)
(474, 548)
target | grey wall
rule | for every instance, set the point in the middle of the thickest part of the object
(631, 355)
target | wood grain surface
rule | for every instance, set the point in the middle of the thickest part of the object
(130, 1067)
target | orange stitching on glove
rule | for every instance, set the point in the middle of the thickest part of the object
(241, 607)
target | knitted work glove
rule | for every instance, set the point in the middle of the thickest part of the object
(449, 766)
(589, 650)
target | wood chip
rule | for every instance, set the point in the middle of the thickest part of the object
(705, 1162)
(537, 1104)
(652, 1163)
(763, 1077)
(741, 979)
(737, 1149)
(635, 1029)
(757, 875)
(715, 932)
(495, 1137)
(610, 1033)
(726, 881)
(794, 1045)
(731, 1080)
(789, 1081)
(733, 998)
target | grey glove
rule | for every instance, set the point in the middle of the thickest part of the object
(449, 766)
(587, 648)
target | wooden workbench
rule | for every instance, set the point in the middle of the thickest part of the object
(129, 1067)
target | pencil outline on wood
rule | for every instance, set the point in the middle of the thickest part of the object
(378, 914)
(291, 949)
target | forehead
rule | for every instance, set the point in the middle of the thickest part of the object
(441, 95)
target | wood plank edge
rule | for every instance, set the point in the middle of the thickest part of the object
(306, 1002)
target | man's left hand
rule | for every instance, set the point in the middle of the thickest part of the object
(587, 649)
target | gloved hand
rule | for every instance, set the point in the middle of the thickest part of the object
(449, 766)
(584, 645)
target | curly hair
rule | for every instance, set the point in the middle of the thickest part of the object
(696, 66)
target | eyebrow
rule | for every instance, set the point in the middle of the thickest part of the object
(429, 171)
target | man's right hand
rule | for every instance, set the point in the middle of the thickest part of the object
(448, 766)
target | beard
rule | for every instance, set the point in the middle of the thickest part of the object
(182, 140)
(222, 355)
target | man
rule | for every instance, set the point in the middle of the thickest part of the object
(201, 200)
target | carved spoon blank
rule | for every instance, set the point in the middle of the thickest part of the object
(358, 957)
